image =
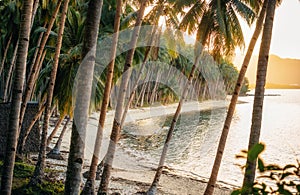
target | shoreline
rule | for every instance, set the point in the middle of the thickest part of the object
(131, 174)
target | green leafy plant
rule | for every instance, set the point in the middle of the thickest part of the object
(272, 179)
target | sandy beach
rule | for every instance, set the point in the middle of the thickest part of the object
(132, 174)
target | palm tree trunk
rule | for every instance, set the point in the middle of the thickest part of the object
(38, 72)
(153, 188)
(34, 9)
(89, 187)
(103, 188)
(135, 85)
(259, 94)
(39, 168)
(22, 142)
(214, 173)
(84, 88)
(12, 63)
(143, 90)
(31, 80)
(9, 92)
(10, 74)
(38, 44)
(153, 94)
(148, 89)
(55, 152)
(52, 134)
(4, 54)
(140, 94)
(13, 127)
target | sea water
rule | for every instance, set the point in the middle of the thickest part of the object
(195, 139)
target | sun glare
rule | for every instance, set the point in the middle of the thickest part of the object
(286, 30)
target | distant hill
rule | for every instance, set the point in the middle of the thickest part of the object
(282, 73)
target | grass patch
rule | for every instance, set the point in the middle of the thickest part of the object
(22, 174)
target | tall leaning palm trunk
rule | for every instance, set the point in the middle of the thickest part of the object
(40, 165)
(136, 84)
(10, 74)
(31, 80)
(214, 173)
(89, 187)
(115, 134)
(259, 94)
(55, 152)
(153, 188)
(134, 87)
(56, 127)
(13, 127)
(5, 54)
(84, 88)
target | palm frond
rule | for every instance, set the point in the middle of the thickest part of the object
(127, 20)
(254, 4)
(192, 17)
(218, 8)
(171, 17)
(43, 29)
(244, 11)
(236, 28)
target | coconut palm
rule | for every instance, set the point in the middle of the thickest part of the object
(214, 32)
(34, 69)
(162, 9)
(70, 58)
(10, 18)
(12, 137)
(259, 94)
(89, 187)
(153, 188)
(115, 134)
(40, 166)
(5, 53)
(85, 75)
(55, 152)
(135, 85)
(234, 98)
(55, 129)
(7, 88)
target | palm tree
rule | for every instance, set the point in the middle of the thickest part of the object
(56, 127)
(39, 168)
(10, 72)
(115, 134)
(13, 133)
(164, 9)
(153, 188)
(139, 75)
(216, 20)
(10, 12)
(85, 75)
(35, 67)
(55, 152)
(259, 94)
(259, 24)
(5, 53)
(89, 187)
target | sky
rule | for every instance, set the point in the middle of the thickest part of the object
(286, 31)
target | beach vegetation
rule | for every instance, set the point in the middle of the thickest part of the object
(272, 178)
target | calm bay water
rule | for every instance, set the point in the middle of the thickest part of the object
(196, 136)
